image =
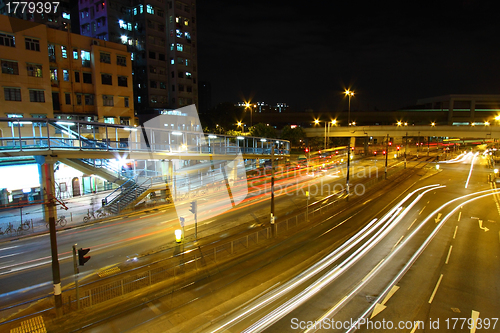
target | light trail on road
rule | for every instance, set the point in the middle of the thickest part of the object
(316, 268)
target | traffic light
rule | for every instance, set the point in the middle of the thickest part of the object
(383, 152)
(390, 143)
(307, 150)
(398, 148)
(82, 259)
(193, 207)
(374, 153)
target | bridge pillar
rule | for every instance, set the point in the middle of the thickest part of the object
(366, 146)
(167, 172)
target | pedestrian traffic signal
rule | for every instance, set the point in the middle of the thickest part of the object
(82, 259)
(193, 208)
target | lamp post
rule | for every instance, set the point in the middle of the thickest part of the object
(349, 94)
(240, 124)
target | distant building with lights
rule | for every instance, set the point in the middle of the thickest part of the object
(262, 107)
(161, 35)
(461, 109)
(48, 73)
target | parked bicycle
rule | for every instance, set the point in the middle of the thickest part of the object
(61, 221)
(95, 215)
(26, 225)
(10, 229)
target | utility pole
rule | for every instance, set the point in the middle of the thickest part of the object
(406, 145)
(386, 154)
(272, 184)
(75, 266)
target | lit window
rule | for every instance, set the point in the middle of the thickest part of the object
(129, 26)
(135, 11)
(188, 75)
(172, 62)
(34, 70)
(66, 16)
(178, 33)
(85, 55)
(140, 9)
(124, 39)
(188, 35)
(53, 74)
(109, 120)
(65, 75)
(150, 9)
(122, 24)
(75, 54)
(180, 47)
(139, 99)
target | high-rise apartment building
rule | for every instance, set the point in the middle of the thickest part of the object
(48, 73)
(161, 35)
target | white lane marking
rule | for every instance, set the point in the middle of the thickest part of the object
(10, 247)
(448, 256)
(10, 255)
(435, 289)
(455, 233)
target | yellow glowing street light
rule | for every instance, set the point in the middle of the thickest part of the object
(497, 118)
(399, 123)
(316, 121)
(406, 124)
(486, 123)
(433, 124)
(334, 121)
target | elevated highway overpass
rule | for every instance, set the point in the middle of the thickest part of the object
(475, 132)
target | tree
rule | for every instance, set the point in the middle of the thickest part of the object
(221, 118)
(294, 135)
(263, 131)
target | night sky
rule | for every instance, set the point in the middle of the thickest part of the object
(306, 53)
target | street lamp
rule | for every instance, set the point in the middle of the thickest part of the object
(240, 124)
(349, 94)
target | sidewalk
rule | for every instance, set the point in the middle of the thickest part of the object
(77, 209)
